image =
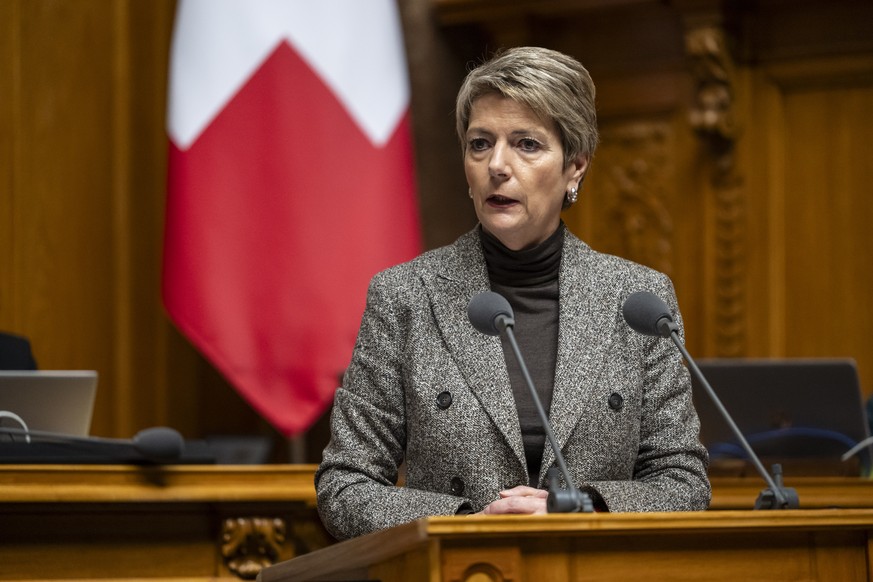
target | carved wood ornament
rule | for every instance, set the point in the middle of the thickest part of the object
(636, 181)
(713, 118)
(496, 564)
(250, 544)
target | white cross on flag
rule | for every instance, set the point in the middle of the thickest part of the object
(291, 183)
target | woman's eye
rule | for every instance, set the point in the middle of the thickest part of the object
(528, 144)
(478, 144)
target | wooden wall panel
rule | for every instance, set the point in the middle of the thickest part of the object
(62, 189)
(806, 153)
(828, 209)
(8, 100)
(761, 155)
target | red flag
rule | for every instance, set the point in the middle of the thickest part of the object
(290, 185)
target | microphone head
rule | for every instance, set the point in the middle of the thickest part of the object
(646, 313)
(490, 313)
(159, 443)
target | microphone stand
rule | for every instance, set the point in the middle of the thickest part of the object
(776, 496)
(571, 499)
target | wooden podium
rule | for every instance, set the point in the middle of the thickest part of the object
(818, 544)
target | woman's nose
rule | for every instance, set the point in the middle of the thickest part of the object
(498, 165)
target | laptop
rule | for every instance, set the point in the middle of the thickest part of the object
(789, 410)
(58, 401)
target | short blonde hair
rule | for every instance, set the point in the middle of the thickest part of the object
(555, 86)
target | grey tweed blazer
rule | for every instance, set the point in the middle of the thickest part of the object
(415, 343)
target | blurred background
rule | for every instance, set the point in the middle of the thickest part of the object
(736, 156)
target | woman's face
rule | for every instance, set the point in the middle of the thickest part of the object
(515, 168)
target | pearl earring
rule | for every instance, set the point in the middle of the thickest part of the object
(572, 195)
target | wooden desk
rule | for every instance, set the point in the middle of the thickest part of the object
(814, 492)
(197, 522)
(193, 522)
(827, 545)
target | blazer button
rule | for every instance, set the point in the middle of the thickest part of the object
(616, 401)
(444, 400)
(457, 486)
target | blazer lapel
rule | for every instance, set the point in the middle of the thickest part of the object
(478, 356)
(582, 344)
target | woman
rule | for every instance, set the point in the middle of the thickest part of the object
(426, 388)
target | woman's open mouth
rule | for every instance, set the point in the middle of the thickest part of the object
(500, 201)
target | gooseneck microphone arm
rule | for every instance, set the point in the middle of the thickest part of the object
(774, 485)
(647, 314)
(158, 443)
(491, 314)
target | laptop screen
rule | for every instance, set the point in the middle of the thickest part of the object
(59, 401)
(785, 408)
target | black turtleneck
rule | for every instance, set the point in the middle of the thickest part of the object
(529, 281)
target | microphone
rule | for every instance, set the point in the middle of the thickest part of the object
(491, 314)
(158, 444)
(647, 314)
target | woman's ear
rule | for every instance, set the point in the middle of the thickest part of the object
(580, 168)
